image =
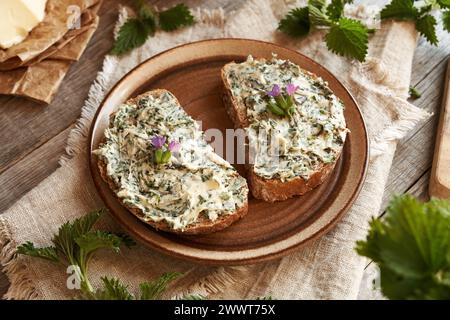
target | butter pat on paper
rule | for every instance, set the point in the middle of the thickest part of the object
(18, 18)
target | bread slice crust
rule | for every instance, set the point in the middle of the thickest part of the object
(271, 190)
(203, 224)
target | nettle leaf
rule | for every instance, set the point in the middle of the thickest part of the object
(127, 241)
(132, 34)
(446, 20)
(75, 243)
(400, 9)
(405, 245)
(335, 9)
(444, 3)
(47, 253)
(64, 240)
(412, 249)
(296, 23)
(370, 247)
(144, 10)
(154, 289)
(95, 240)
(348, 38)
(319, 4)
(317, 17)
(175, 18)
(426, 26)
(112, 289)
(85, 224)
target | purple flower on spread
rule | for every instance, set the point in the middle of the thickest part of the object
(174, 146)
(291, 88)
(158, 142)
(275, 92)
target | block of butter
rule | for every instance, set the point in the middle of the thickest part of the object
(18, 18)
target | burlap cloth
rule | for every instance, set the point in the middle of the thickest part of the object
(328, 268)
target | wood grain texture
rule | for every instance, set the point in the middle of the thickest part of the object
(27, 173)
(414, 153)
(440, 174)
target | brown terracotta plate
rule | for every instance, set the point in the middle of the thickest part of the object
(192, 73)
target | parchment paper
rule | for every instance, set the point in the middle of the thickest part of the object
(37, 72)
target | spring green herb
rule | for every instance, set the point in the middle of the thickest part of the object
(281, 102)
(411, 246)
(349, 37)
(76, 242)
(414, 93)
(113, 289)
(75, 245)
(346, 37)
(425, 22)
(164, 150)
(137, 30)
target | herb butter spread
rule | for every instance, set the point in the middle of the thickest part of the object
(195, 181)
(312, 136)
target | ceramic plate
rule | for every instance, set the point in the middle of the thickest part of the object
(269, 230)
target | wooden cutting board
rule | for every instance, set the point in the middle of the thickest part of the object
(440, 174)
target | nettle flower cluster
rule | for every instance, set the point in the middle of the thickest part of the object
(164, 150)
(281, 101)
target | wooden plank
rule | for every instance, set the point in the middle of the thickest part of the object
(414, 153)
(420, 188)
(28, 172)
(440, 174)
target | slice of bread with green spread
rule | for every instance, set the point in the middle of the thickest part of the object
(193, 192)
(308, 139)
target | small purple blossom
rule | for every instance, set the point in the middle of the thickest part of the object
(158, 142)
(174, 146)
(275, 92)
(291, 88)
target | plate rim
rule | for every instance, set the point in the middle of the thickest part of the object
(244, 261)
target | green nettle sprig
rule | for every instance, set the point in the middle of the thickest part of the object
(282, 103)
(414, 93)
(346, 37)
(137, 30)
(350, 37)
(424, 21)
(163, 150)
(411, 247)
(75, 244)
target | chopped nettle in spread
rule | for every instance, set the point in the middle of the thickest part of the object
(188, 179)
(287, 142)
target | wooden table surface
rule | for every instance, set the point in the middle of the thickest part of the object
(33, 137)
